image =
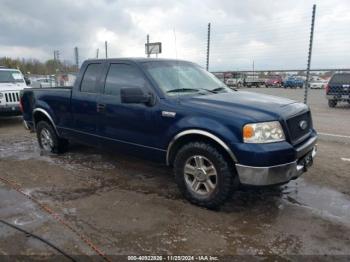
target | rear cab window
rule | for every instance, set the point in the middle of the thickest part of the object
(340, 79)
(89, 81)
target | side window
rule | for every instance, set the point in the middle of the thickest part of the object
(123, 76)
(88, 83)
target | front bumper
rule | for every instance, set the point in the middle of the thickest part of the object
(12, 110)
(279, 174)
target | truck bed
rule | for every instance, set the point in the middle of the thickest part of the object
(57, 101)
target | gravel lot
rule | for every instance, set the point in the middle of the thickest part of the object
(128, 206)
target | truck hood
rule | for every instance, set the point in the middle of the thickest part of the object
(249, 105)
(12, 86)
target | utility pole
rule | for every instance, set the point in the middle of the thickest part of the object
(148, 54)
(106, 49)
(76, 54)
(97, 51)
(310, 53)
(208, 47)
(56, 55)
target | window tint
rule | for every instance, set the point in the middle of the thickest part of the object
(340, 79)
(88, 84)
(123, 76)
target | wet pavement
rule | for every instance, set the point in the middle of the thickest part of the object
(126, 206)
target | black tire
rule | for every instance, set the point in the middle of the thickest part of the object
(332, 103)
(58, 145)
(226, 178)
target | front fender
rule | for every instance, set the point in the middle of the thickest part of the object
(206, 127)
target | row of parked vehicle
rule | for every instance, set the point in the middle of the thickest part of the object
(275, 81)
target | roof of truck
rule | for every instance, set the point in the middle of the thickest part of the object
(138, 59)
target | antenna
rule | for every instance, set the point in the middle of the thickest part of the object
(175, 44)
(106, 49)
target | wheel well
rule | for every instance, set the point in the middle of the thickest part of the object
(39, 116)
(196, 138)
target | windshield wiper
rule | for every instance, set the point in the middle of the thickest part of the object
(182, 90)
(215, 90)
(218, 89)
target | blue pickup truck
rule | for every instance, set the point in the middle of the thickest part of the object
(293, 82)
(175, 112)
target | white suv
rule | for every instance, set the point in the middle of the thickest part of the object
(11, 83)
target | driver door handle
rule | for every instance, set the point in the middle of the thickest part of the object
(100, 108)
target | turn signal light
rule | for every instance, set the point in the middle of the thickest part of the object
(248, 131)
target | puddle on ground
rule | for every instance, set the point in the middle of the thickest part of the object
(321, 201)
(21, 150)
(324, 202)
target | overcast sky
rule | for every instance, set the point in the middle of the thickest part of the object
(273, 34)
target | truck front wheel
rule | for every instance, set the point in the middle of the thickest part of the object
(204, 176)
(48, 139)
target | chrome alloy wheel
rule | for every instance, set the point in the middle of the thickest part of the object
(46, 140)
(200, 175)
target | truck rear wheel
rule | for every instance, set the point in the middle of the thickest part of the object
(48, 139)
(332, 103)
(203, 174)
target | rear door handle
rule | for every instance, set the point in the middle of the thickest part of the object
(100, 107)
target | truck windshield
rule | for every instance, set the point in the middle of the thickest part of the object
(11, 76)
(178, 77)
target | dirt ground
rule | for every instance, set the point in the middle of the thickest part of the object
(127, 206)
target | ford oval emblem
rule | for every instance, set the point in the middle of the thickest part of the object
(303, 124)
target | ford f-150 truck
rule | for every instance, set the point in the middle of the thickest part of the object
(11, 83)
(176, 112)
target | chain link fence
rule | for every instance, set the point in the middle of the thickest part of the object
(274, 54)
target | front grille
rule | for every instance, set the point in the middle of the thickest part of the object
(12, 97)
(295, 130)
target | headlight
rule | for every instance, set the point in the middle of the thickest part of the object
(267, 132)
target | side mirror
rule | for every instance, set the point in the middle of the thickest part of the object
(135, 95)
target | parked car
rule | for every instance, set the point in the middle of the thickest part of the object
(317, 84)
(293, 82)
(11, 83)
(338, 89)
(274, 81)
(176, 112)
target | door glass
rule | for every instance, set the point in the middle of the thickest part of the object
(88, 84)
(122, 76)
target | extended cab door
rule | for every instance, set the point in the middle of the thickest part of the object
(84, 103)
(130, 127)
